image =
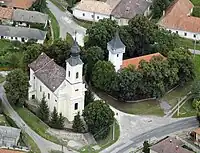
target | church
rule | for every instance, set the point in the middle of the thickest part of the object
(63, 88)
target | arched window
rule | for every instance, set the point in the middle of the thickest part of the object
(76, 106)
(68, 73)
(76, 75)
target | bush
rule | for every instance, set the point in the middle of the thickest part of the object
(196, 12)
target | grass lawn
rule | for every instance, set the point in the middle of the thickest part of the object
(3, 121)
(54, 23)
(196, 2)
(188, 43)
(5, 45)
(36, 124)
(105, 142)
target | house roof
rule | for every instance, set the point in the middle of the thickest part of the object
(29, 16)
(51, 74)
(6, 13)
(9, 151)
(197, 130)
(9, 132)
(170, 145)
(97, 6)
(178, 17)
(136, 61)
(22, 4)
(29, 33)
(129, 8)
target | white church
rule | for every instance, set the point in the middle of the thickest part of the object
(63, 89)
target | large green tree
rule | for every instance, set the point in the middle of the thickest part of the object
(54, 119)
(146, 148)
(100, 33)
(98, 117)
(103, 74)
(61, 121)
(78, 125)
(43, 111)
(196, 89)
(89, 97)
(39, 5)
(159, 6)
(16, 87)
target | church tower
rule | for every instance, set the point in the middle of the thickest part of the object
(75, 86)
(116, 49)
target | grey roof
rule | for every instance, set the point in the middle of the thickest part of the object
(9, 132)
(75, 57)
(29, 16)
(116, 43)
(51, 74)
(130, 8)
(29, 33)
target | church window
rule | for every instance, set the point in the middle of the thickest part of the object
(194, 36)
(76, 90)
(33, 96)
(76, 106)
(76, 75)
(56, 101)
(117, 55)
(34, 77)
(40, 88)
(48, 96)
(68, 73)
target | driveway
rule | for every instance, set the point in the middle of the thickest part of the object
(44, 145)
(66, 24)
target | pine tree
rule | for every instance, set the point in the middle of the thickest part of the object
(54, 119)
(146, 147)
(43, 112)
(78, 125)
(61, 121)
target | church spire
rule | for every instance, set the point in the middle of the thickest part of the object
(75, 50)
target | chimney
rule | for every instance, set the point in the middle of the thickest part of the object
(163, 12)
(176, 147)
(170, 140)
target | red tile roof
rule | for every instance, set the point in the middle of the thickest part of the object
(136, 61)
(5, 13)
(9, 151)
(178, 17)
(22, 4)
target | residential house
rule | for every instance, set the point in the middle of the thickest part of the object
(10, 151)
(177, 19)
(169, 145)
(197, 136)
(63, 88)
(9, 136)
(116, 49)
(6, 15)
(119, 10)
(20, 4)
(22, 34)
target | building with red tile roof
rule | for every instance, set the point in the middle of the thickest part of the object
(6, 13)
(178, 19)
(9, 151)
(21, 4)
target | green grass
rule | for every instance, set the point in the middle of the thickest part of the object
(5, 45)
(2, 79)
(195, 2)
(36, 124)
(60, 5)
(108, 141)
(54, 23)
(188, 43)
(196, 11)
(85, 24)
(3, 121)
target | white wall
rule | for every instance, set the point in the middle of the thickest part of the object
(186, 34)
(89, 16)
(20, 39)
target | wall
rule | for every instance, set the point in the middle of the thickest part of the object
(189, 35)
(20, 39)
(89, 16)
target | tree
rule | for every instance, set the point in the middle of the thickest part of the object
(146, 148)
(103, 74)
(54, 119)
(16, 87)
(78, 125)
(43, 111)
(39, 5)
(98, 117)
(100, 33)
(89, 97)
(61, 121)
(198, 110)
(159, 6)
(196, 90)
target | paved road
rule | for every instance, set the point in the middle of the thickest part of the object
(196, 52)
(157, 132)
(67, 24)
(44, 145)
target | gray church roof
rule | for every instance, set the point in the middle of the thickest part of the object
(29, 33)
(51, 74)
(29, 16)
(75, 57)
(116, 42)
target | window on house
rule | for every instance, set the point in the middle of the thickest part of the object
(20, 22)
(56, 101)
(76, 90)
(194, 35)
(33, 96)
(177, 32)
(76, 75)
(117, 55)
(68, 73)
(11, 37)
(1, 37)
(40, 88)
(15, 38)
(185, 34)
(34, 77)
(83, 14)
(92, 16)
(48, 96)
(97, 17)
(76, 106)
(23, 40)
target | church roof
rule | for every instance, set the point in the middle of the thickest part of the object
(116, 43)
(49, 73)
(136, 61)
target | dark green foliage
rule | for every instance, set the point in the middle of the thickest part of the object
(146, 148)
(196, 89)
(10, 121)
(61, 121)
(196, 11)
(39, 5)
(43, 112)
(89, 97)
(78, 125)
(56, 121)
(16, 87)
(98, 117)
(103, 74)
